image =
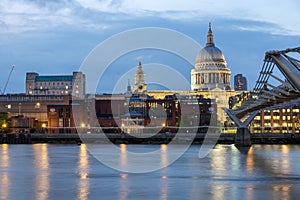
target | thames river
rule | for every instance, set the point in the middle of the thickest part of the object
(49, 171)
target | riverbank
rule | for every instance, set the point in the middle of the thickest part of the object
(160, 138)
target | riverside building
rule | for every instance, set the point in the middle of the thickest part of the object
(56, 84)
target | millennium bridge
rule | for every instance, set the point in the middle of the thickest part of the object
(266, 95)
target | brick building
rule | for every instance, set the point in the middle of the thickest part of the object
(136, 114)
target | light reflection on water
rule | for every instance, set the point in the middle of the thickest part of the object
(70, 172)
(4, 173)
(42, 170)
(83, 169)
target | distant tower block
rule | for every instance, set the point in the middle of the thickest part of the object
(240, 82)
(139, 81)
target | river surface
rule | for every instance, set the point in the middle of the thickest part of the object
(49, 171)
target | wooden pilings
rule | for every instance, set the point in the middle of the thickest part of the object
(15, 138)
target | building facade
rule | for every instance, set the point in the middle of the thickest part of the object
(137, 114)
(285, 120)
(56, 85)
(240, 82)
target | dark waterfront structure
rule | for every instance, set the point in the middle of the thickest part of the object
(28, 113)
(240, 83)
(135, 114)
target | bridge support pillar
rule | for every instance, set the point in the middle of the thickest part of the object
(243, 136)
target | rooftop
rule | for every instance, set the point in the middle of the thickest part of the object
(53, 78)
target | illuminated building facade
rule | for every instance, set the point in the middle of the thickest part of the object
(21, 107)
(286, 120)
(56, 85)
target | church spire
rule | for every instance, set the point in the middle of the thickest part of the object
(139, 81)
(129, 91)
(210, 37)
(128, 86)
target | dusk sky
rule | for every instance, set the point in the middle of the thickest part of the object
(55, 36)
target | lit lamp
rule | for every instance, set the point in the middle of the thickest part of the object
(43, 127)
(4, 125)
(82, 126)
(38, 105)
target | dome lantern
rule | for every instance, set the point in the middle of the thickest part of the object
(210, 37)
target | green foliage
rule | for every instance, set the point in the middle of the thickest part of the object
(4, 123)
(3, 116)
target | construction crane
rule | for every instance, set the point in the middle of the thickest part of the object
(6, 83)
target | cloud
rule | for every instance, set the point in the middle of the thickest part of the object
(27, 15)
(282, 14)
(24, 15)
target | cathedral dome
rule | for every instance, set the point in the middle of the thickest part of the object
(210, 55)
(210, 70)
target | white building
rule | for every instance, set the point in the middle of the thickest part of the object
(210, 70)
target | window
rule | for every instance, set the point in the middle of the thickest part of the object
(60, 112)
(68, 112)
(61, 122)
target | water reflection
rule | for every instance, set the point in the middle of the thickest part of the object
(123, 155)
(270, 161)
(124, 187)
(219, 191)
(42, 170)
(249, 191)
(282, 191)
(4, 175)
(265, 171)
(83, 170)
(164, 161)
(285, 163)
(164, 187)
(250, 161)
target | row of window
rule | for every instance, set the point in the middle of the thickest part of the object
(53, 83)
(268, 117)
(45, 86)
(56, 92)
